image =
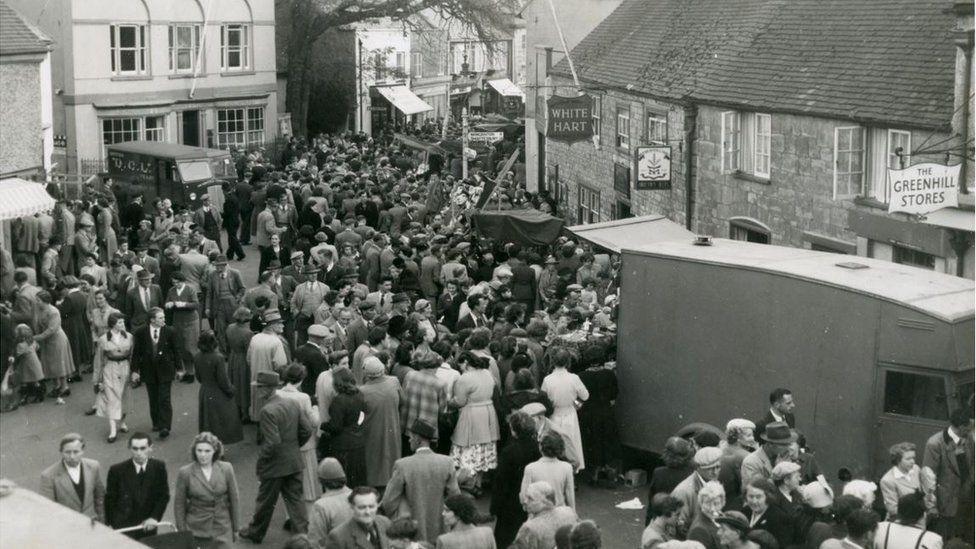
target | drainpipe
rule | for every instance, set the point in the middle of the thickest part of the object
(691, 136)
(963, 10)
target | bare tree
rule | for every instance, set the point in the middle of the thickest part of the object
(303, 22)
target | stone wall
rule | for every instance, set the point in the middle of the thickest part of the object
(21, 141)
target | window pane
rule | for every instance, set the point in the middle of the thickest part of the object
(233, 59)
(234, 36)
(127, 37)
(184, 36)
(127, 60)
(184, 60)
(844, 139)
(915, 395)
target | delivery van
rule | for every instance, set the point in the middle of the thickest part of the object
(874, 352)
(180, 173)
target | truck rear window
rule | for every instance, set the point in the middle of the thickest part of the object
(918, 395)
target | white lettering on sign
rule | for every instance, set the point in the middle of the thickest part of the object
(486, 137)
(923, 188)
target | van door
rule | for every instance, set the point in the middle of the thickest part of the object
(912, 404)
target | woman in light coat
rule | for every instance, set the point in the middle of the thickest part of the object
(206, 501)
(558, 473)
(54, 348)
(905, 477)
(567, 392)
(111, 377)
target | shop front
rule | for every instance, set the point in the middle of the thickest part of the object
(392, 108)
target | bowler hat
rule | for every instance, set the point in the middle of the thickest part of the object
(778, 432)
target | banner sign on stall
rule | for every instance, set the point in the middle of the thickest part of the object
(653, 168)
(485, 137)
(570, 118)
(923, 188)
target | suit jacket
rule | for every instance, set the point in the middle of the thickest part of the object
(194, 266)
(128, 500)
(705, 531)
(774, 521)
(940, 457)
(199, 217)
(235, 285)
(768, 418)
(135, 310)
(207, 508)
(350, 535)
(156, 363)
(284, 428)
(417, 490)
(56, 486)
(687, 492)
(467, 321)
(186, 314)
(315, 361)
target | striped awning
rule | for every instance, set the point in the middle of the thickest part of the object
(21, 198)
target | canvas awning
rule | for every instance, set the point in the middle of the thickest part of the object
(21, 198)
(632, 232)
(404, 100)
(506, 87)
(952, 218)
(527, 227)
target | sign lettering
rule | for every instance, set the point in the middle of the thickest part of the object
(570, 118)
(923, 188)
(653, 168)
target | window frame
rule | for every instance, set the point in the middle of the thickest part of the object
(654, 119)
(731, 141)
(596, 116)
(175, 49)
(891, 150)
(762, 145)
(882, 401)
(243, 48)
(139, 49)
(588, 201)
(860, 190)
(240, 132)
(416, 64)
(622, 139)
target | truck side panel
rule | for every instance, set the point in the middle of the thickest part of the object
(700, 342)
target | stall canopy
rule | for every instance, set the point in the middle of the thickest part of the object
(31, 520)
(632, 232)
(527, 227)
(404, 100)
(419, 144)
(20, 198)
(506, 87)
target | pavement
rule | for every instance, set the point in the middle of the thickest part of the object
(29, 443)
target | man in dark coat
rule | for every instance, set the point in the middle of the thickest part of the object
(155, 359)
(232, 222)
(781, 406)
(243, 191)
(284, 429)
(312, 355)
(137, 490)
(366, 528)
(140, 300)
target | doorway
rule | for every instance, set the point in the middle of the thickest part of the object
(191, 128)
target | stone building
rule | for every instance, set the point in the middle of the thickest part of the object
(782, 119)
(26, 137)
(196, 72)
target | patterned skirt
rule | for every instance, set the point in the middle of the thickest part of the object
(476, 457)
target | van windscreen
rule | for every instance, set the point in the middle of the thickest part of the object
(192, 171)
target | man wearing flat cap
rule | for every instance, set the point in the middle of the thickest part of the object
(708, 462)
(313, 355)
(224, 294)
(332, 508)
(420, 483)
(305, 300)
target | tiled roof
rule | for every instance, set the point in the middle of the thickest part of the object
(17, 36)
(885, 61)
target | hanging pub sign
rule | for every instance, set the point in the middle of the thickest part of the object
(923, 188)
(570, 119)
(653, 168)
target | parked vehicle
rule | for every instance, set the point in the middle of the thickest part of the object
(875, 352)
(180, 173)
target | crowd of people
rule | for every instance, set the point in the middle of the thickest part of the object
(395, 366)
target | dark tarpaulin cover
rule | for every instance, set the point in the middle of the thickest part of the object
(530, 227)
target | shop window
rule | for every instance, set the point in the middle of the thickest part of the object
(154, 128)
(908, 256)
(916, 395)
(234, 47)
(128, 45)
(240, 127)
(748, 230)
(121, 130)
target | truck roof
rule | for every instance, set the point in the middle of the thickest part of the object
(947, 297)
(169, 150)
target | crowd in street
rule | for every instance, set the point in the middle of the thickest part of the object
(394, 366)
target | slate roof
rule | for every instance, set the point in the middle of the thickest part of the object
(882, 61)
(17, 36)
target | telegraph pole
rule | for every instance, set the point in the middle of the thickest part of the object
(464, 143)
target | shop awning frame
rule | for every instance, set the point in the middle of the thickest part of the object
(404, 100)
(507, 88)
(632, 232)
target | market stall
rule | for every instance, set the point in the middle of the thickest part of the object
(631, 232)
(20, 198)
(527, 227)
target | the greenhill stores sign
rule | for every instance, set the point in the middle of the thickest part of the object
(570, 119)
(923, 188)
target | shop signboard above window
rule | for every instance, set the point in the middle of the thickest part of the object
(923, 188)
(653, 168)
(570, 118)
